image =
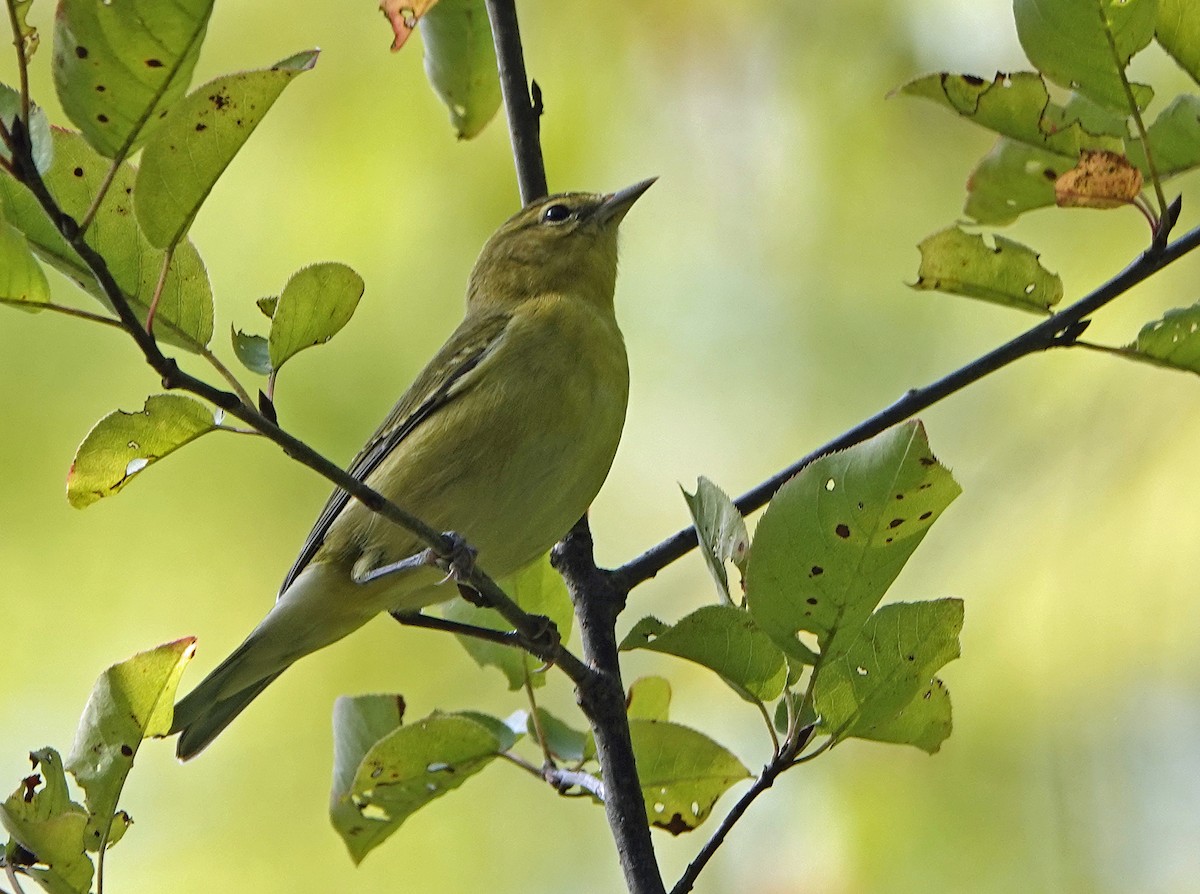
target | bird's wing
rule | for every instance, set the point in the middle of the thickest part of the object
(447, 376)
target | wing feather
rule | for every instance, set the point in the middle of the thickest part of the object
(443, 379)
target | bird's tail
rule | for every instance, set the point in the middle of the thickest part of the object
(319, 608)
(199, 719)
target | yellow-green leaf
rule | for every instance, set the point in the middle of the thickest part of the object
(1005, 273)
(123, 444)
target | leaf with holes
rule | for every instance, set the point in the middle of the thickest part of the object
(131, 701)
(725, 640)
(682, 773)
(185, 311)
(315, 304)
(1009, 273)
(1011, 179)
(197, 141)
(882, 688)
(460, 62)
(119, 67)
(358, 723)
(1171, 341)
(48, 824)
(1178, 31)
(539, 590)
(1016, 106)
(404, 771)
(722, 532)
(1084, 45)
(123, 444)
(835, 537)
(22, 280)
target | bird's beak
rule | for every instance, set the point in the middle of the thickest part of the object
(616, 204)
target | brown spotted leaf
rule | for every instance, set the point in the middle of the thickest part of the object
(835, 537)
(1101, 179)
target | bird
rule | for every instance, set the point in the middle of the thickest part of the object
(504, 438)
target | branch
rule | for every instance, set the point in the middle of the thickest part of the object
(599, 597)
(1059, 330)
(523, 127)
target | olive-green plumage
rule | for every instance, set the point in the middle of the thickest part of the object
(505, 437)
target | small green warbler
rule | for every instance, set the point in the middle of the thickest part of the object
(505, 438)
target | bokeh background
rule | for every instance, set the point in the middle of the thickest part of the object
(763, 296)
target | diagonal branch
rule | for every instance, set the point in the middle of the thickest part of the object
(1059, 330)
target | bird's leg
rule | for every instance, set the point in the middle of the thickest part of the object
(459, 564)
(423, 559)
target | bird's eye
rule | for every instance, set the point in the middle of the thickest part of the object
(556, 214)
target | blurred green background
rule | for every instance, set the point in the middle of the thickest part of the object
(764, 303)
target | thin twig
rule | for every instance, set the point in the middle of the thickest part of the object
(523, 126)
(65, 310)
(158, 287)
(547, 757)
(565, 779)
(1040, 337)
(227, 375)
(1135, 112)
(10, 872)
(22, 61)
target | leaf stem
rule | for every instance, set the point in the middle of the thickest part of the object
(227, 375)
(1134, 112)
(158, 288)
(66, 310)
(547, 757)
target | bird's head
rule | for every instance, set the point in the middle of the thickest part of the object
(565, 243)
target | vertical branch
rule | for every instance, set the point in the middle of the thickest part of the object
(599, 596)
(523, 125)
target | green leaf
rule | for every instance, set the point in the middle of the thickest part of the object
(123, 444)
(197, 141)
(315, 304)
(723, 639)
(1172, 341)
(883, 687)
(1009, 273)
(185, 312)
(539, 590)
(39, 129)
(22, 280)
(1013, 105)
(835, 537)
(131, 701)
(722, 531)
(1174, 139)
(119, 67)
(404, 771)
(1011, 179)
(267, 305)
(359, 722)
(682, 773)
(48, 824)
(251, 350)
(460, 62)
(564, 741)
(1178, 31)
(1072, 42)
(649, 698)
